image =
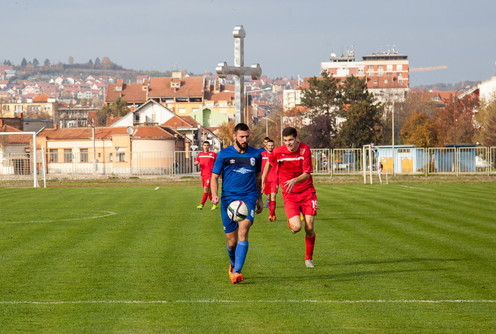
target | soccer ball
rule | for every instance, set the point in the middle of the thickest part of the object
(237, 211)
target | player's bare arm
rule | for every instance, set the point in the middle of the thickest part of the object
(214, 187)
(265, 173)
(289, 184)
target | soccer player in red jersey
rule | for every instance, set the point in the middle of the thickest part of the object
(206, 161)
(293, 161)
(270, 186)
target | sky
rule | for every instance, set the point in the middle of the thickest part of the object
(286, 37)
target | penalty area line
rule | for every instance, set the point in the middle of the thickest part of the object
(224, 301)
(103, 215)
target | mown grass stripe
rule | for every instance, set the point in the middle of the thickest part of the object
(226, 301)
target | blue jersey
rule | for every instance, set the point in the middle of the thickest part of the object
(239, 171)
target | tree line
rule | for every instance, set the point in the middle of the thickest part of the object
(343, 114)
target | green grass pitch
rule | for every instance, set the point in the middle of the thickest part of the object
(416, 258)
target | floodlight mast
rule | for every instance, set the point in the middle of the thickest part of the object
(239, 71)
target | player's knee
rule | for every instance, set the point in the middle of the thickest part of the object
(295, 226)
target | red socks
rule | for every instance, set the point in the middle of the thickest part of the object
(272, 208)
(309, 243)
(204, 198)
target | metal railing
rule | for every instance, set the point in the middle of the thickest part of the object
(457, 161)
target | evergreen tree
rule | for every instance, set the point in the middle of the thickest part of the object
(36, 63)
(46, 63)
(321, 98)
(361, 113)
(24, 63)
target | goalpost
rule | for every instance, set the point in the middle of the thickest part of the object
(19, 161)
(371, 164)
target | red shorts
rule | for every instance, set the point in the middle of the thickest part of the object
(206, 181)
(270, 188)
(305, 202)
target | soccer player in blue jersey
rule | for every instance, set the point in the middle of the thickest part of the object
(240, 167)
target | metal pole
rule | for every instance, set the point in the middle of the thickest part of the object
(239, 61)
(35, 175)
(392, 139)
(94, 147)
(370, 163)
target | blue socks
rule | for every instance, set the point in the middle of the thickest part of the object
(232, 254)
(241, 250)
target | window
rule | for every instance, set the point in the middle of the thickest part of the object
(404, 150)
(182, 111)
(399, 68)
(67, 155)
(83, 155)
(121, 157)
(54, 155)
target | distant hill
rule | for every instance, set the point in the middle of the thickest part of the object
(458, 86)
(83, 70)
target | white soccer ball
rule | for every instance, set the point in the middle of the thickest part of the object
(237, 211)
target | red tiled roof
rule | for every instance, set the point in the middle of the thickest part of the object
(132, 93)
(41, 98)
(176, 122)
(17, 139)
(189, 87)
(222, 96)
(143, 132)
(156, 88)
(190, 120)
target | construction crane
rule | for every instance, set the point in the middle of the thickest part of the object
(422, 69)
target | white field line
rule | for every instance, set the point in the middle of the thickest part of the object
(105, 214)
(224, 301)
(412, 187)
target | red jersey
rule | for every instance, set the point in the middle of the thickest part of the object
(291, 165)
(206, 160)
(272, 177)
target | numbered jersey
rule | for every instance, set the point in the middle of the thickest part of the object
(293, 164)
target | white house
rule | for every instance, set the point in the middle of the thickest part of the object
(487, 89)
(149, 113)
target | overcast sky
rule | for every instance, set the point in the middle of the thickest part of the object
(286, 37)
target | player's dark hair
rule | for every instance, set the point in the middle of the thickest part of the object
(270, 141)
(206, 142)
(241, 127)
(289, 132)
(266, 139)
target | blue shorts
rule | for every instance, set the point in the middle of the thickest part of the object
(251, 203)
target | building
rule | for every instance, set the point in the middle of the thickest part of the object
(74, 117)
(487, 89)
(387, 73)
(183, 95)
(40, 106)
(152, 113)
(14, 151)
(107, 150)
(291, 98)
